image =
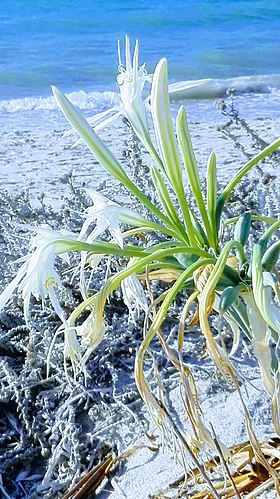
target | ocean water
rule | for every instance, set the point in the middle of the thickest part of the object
(74, 45)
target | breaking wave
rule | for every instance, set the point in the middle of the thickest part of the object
(81, 99)
(98, 101)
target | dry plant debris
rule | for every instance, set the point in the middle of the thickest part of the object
(248, 478)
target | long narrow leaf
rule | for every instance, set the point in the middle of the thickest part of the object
(101, 152)
(167, 141)
(211, 187)
(165, 199)
(163, 124)
(191, 167)
(262, 293)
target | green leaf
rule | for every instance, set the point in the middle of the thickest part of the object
(211, 189)
(228, 297)
(186, 259)
(101, 152)
(165, 199)
(242, 228)
(167, 141)
(192, 170)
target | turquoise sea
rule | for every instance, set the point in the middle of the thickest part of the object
(73, 44)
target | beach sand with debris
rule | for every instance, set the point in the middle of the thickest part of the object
(53, 430)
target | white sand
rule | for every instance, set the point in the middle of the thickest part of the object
(37, 161)
(146, 472)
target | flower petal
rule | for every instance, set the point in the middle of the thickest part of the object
(8, 291)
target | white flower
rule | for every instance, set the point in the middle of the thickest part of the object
(107, 214)
(104, 214)
(133, 295)
(72, 349)
(131, 81)
(37, 275)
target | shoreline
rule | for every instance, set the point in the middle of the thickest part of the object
(39, 160)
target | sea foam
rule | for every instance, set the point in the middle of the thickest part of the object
(98, 101)
(91, 100)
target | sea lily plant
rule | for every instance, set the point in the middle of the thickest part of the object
(215, 273)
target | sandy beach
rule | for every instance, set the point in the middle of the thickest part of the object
(40, 161)
(60, 423)
(150, 474)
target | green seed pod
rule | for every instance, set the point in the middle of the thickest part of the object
(228, 297)
(271, 256)
(242, 228)
(186, 259)
(224, 283)
(231, 274)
